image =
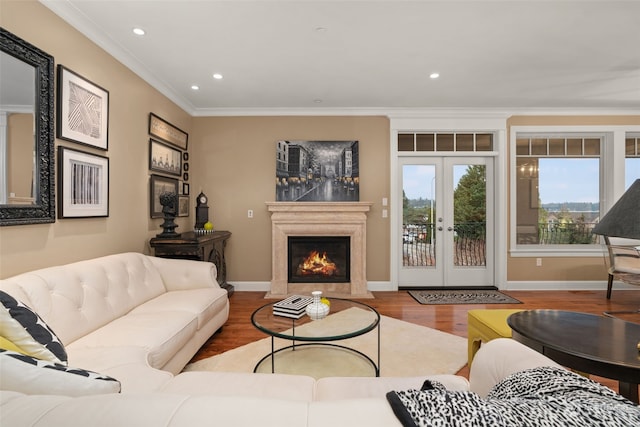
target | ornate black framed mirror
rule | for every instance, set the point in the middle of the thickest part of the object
(27, 166)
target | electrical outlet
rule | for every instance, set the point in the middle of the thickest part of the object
(385, 213)
(250, 213)
(385, 201)
(538, 262)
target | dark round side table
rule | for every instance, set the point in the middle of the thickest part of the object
(598, 345)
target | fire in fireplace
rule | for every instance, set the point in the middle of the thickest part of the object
(319, 259)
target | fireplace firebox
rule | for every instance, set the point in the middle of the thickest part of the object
(319, 259)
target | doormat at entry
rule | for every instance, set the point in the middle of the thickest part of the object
(464, 296)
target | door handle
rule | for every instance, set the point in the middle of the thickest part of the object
(440, 228)
(449, 228)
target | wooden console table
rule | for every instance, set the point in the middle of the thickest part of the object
(201, 247)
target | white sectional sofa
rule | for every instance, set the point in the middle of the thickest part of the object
(139, 319)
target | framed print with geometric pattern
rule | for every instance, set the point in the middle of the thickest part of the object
(83, 110)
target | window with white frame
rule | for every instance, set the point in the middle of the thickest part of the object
(557, 189)
(632, 159)
(561, 179)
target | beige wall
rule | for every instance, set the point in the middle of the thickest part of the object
(128, 227)
(235, 167)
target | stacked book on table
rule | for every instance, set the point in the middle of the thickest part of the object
(293, 306)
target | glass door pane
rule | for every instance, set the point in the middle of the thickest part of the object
(469, 215)
(418, 210)
(468, 230)
(419, 252)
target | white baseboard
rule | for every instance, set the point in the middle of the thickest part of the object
(265, 286)
(566, 286)
(382, 286)
(251, 286)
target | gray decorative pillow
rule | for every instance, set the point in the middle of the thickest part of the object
(28, 375)
(27, 331)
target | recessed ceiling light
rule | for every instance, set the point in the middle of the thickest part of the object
(138, 31)
(195, 87)
(321, 29)
(217, 76)
(434, 75)
(318, 101)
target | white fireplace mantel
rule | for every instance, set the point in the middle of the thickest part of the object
(319, 219)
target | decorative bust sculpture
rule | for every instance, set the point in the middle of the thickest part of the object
(169, 202)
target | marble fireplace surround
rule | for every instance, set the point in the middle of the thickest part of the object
(319, 219)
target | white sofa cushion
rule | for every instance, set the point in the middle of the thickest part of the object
(19, 409)
(161, 334)
(204, 303)
(372, 412)
(157, 410)
(338, 388)
(229, 411)
(127, 363)
(25, 374)
(273, 386)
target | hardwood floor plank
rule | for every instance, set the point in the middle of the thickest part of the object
(448, 318)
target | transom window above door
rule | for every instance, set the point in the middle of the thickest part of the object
(451, 142)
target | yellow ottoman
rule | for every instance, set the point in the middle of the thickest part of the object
(485, 325)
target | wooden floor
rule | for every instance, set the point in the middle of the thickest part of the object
(448, 318)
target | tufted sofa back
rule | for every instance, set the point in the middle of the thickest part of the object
(76, 299)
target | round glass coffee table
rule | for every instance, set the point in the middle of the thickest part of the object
(310, 346)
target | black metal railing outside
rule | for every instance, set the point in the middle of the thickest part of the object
(419, 244)
(573, 233)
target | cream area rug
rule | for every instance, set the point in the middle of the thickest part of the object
(406, 350)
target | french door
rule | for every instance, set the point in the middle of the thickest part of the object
(447, 222)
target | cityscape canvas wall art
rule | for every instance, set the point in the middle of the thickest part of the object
(317, 171)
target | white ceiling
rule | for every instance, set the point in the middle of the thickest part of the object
(354, 57)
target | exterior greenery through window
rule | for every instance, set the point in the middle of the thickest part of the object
(470, 217)
(470, 202)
